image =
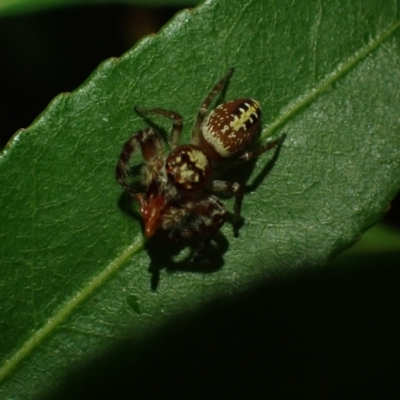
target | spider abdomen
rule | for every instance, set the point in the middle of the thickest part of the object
(231, 128)
(188, 168)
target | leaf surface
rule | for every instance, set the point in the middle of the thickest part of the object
(74, 273)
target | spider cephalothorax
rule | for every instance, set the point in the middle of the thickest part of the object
(178, 185)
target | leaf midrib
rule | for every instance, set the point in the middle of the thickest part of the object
(68, 307)
(331, 78)
(97, 281)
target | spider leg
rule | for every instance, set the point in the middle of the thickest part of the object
(150, 145)
(231, 188)
(176, 131)
(211, 216)
(206, 104)
(204, 219)
(249, 155)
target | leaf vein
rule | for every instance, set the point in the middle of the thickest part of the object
(37, 337)
(331, 78)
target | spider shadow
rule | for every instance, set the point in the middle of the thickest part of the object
(174, 256)
(219, 99)
(241, 173)
(126, 205)
(265, 171)
(179, 256)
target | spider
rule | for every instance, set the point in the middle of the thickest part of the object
(178, 186)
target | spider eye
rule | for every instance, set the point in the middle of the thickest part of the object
(188, 168)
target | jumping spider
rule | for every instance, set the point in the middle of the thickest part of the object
(179, 184)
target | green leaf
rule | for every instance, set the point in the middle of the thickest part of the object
(74, 273)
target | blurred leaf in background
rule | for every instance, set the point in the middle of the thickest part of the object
(19, 7)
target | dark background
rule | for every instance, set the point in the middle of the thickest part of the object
(49, 52)
(323, 333)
